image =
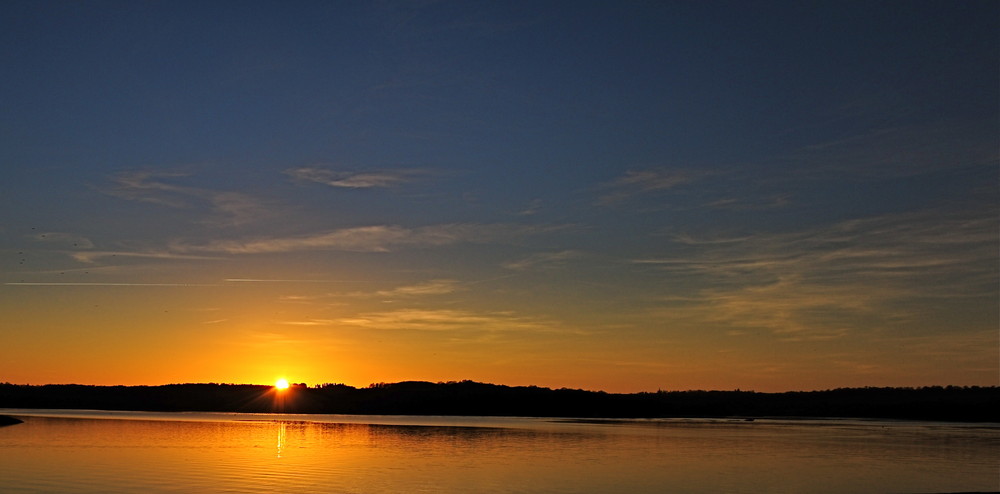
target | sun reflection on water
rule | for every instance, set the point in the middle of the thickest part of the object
(282, 432)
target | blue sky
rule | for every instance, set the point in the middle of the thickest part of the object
(622, 196)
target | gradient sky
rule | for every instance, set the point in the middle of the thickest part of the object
(626, 196)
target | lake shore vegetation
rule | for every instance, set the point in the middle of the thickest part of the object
(937, 403)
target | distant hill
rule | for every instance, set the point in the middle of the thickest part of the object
(951, 403)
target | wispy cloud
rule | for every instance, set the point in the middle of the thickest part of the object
(236, 208)
(276, 341)
(148, 187)
(94, 256)
(378, 238)
(966, 351)
(543, 260)
(750, 203)
(432, 287)
(901, 150)
(933, 244)
(354, 180)
(227, 207)
(310, 322)
(689, 239)
(65, 239)
(638, 182)
(263, 280)
(447, 320)
(531, 208)
(106, 284)
(881, 272)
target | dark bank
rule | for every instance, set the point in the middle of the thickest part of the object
(937, 403)
(7, 420)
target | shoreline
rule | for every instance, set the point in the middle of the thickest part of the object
(452, 419)
(468, 398)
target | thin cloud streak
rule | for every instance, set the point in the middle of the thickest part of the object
(544, 260)
(432, 287)
(94, 256)
(228, 208)
(750, 204)
(900, 151)
(378, 238)
(107, 284)
(927, 244)
(310, 322)
(692, 240)
(531, 208)
(438, 320)
(258, 280)
(639, 182)
(827, 283)
(354, 180)
(68, 239)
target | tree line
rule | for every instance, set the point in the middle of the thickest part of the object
(950, 403)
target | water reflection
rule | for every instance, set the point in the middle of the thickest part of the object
(282, 431)
(264, 455)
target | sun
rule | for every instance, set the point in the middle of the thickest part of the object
(281, 384)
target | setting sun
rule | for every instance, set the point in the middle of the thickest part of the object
(281, 384)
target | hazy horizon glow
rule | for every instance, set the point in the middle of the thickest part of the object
(677, 195)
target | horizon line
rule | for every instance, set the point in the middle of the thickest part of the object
(374, 384)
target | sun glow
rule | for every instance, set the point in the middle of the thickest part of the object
(281, 384)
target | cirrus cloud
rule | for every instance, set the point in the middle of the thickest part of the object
(638, 182)
(353, 180)
(832, 281)
(226, 208)
(376, 238)
(446, 320)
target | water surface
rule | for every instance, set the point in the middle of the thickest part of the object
(91, 451)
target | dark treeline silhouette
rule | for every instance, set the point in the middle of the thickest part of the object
(951, 403)
(5, 420)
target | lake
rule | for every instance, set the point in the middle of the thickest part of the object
(97, 451)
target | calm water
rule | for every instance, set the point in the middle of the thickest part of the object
(81, 451)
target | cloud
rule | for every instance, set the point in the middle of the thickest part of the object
(278, 280)
(446, 320)
(531, 208)
(354, 180)
(228, 208)
(377, 238)
(139, 186)
(107, 284)
(789, 308)
(236, 208)
(279, 341)
(544, 259)
(965, 352)
(902, 150)
(432, 287)
(930, 244)
(94, 256)
(688, 239)
(750, 203)
(638, 182)
(892, 271)
(309, 322)
(361, 239)
(68, 239)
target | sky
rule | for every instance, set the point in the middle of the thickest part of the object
(618, 196)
